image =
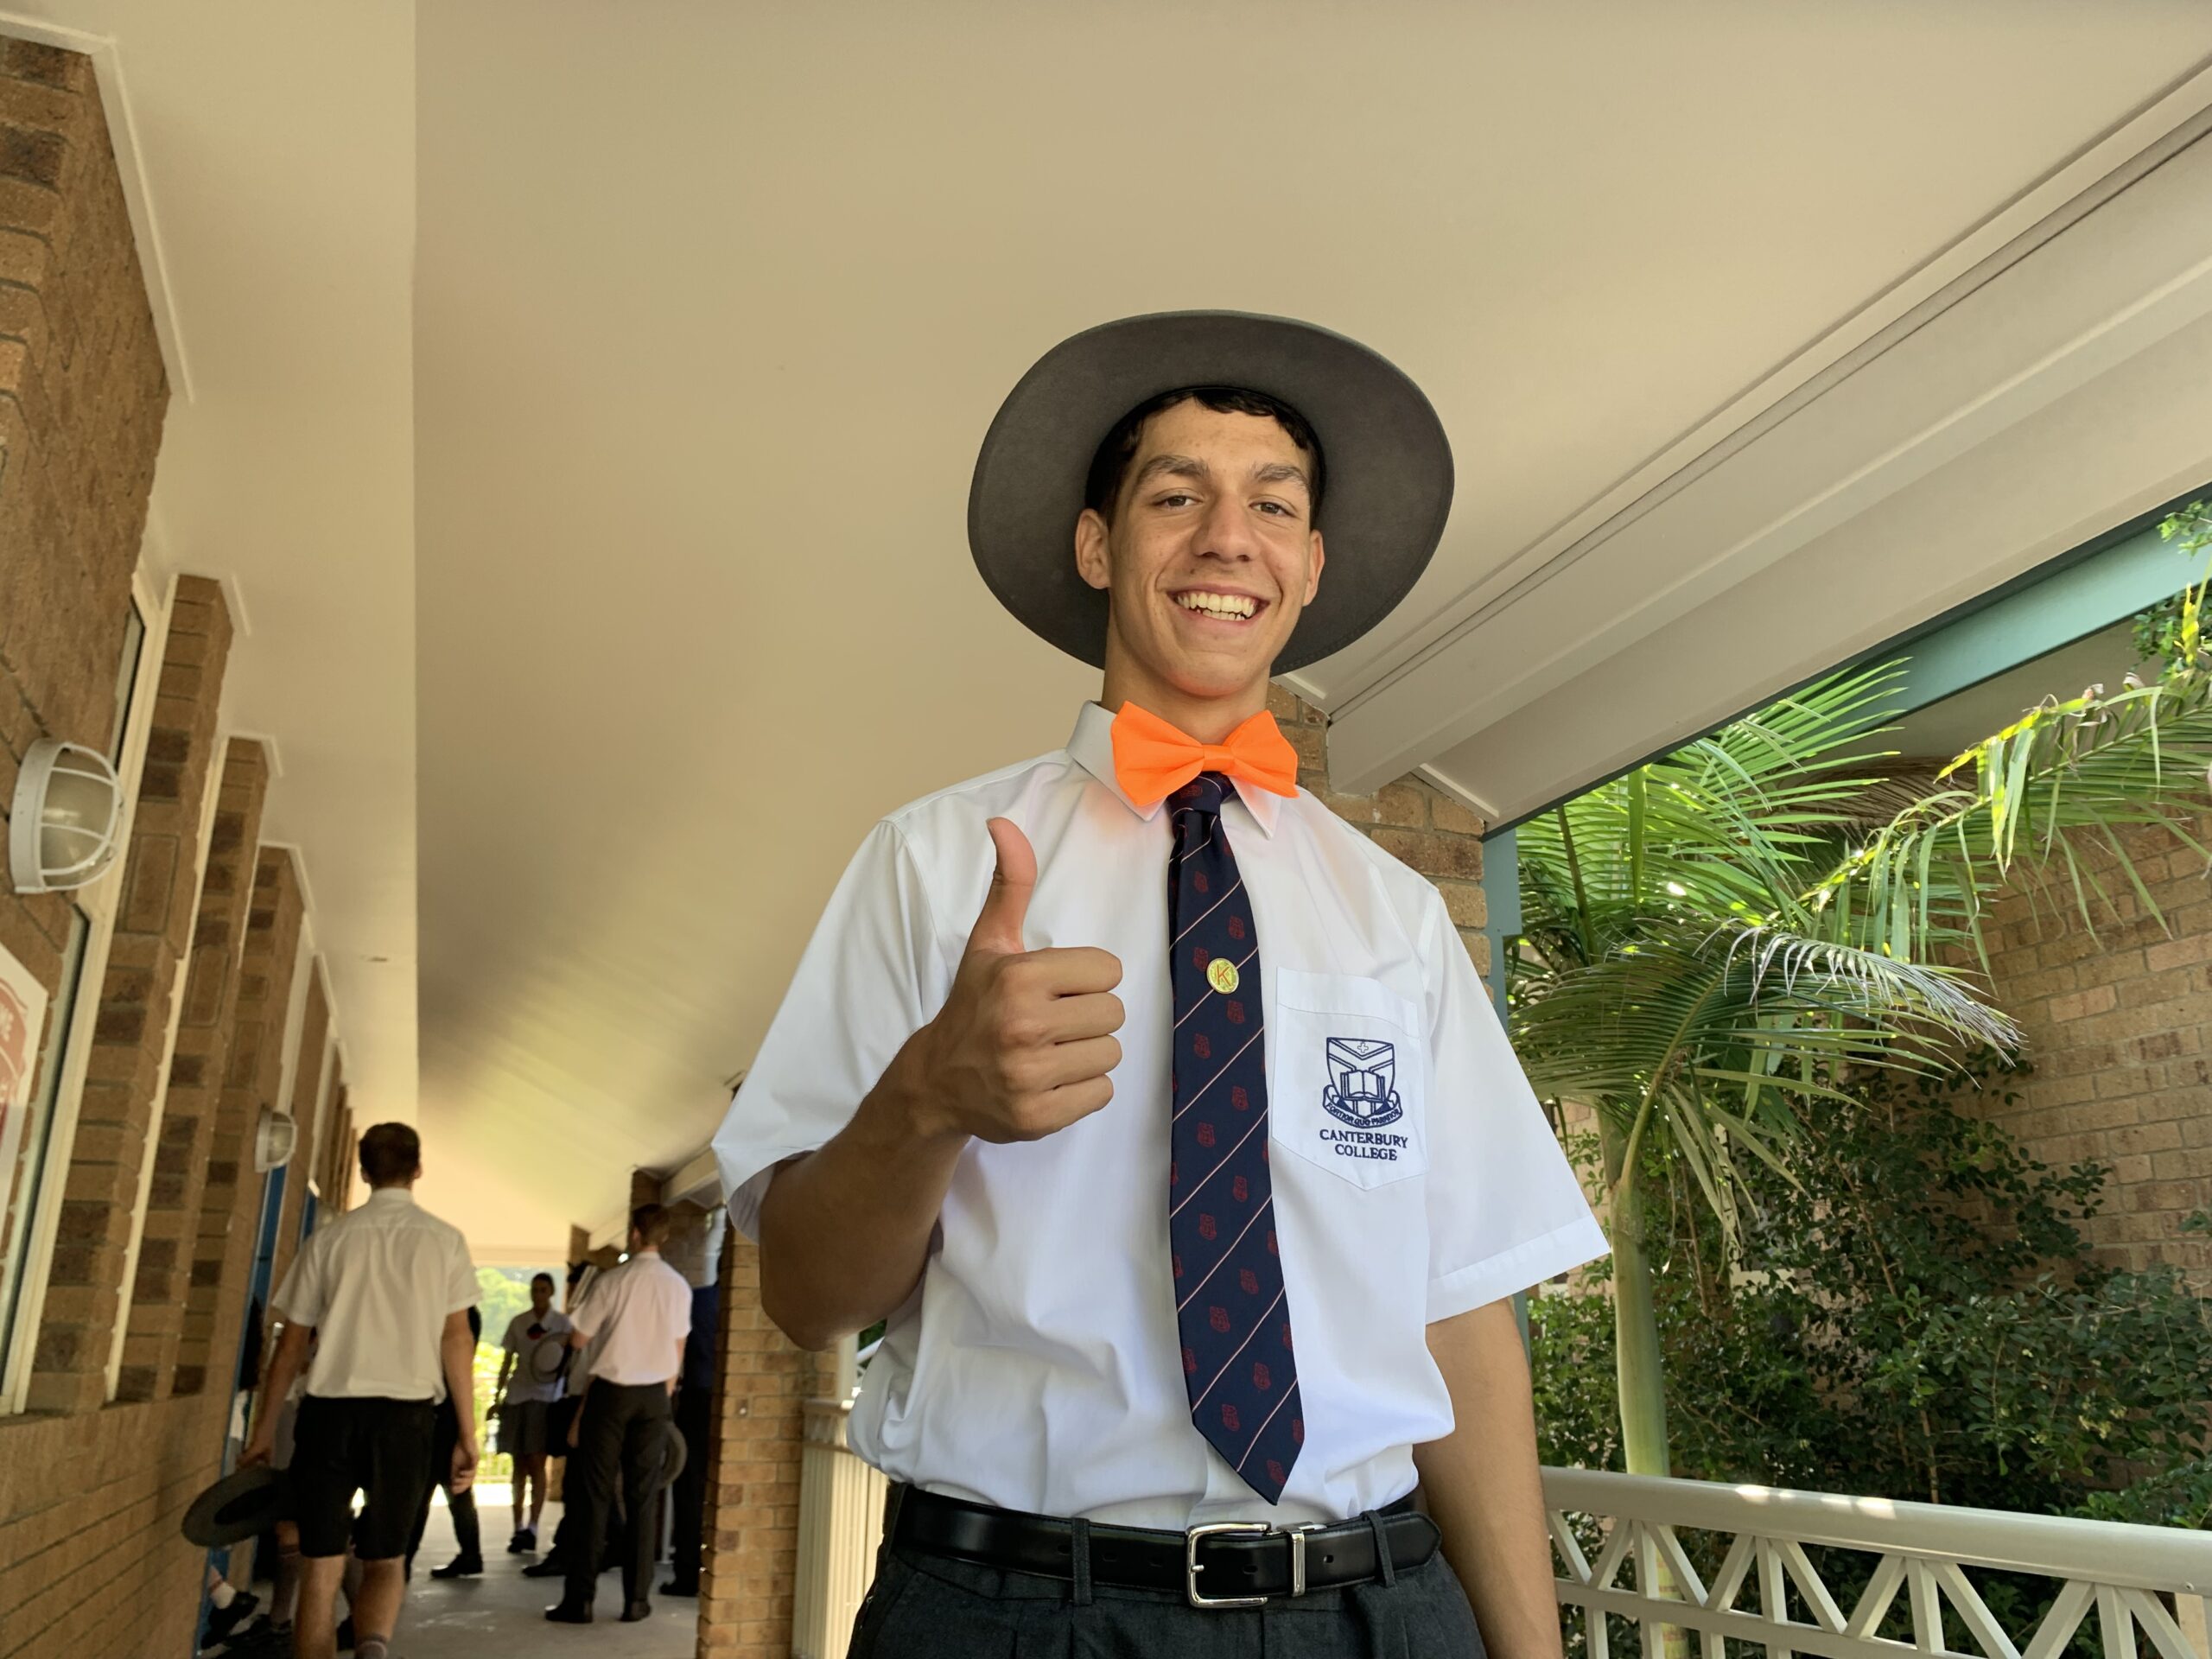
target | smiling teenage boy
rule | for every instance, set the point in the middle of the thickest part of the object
(1159, 1112)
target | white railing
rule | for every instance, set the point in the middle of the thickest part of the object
(840, 1519)
(2144, 1582)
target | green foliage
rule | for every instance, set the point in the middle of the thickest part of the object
(2170, 633)
(1914, 1313)
(1715, 940)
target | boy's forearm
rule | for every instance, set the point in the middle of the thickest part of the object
(821, 1276)
(1484, 1488)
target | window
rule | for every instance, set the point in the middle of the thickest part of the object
(37, 1161)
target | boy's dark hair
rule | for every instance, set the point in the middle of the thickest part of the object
(545, 1279)
(650, 1221)
(390, 1153)
(1111, 464)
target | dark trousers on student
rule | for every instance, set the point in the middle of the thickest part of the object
(695, 1416)
(618, 1445)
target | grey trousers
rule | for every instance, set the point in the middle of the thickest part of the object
(927, 1606)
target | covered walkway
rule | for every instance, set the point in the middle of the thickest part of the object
(489, 479)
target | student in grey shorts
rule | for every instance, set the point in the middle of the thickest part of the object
(526, 1396)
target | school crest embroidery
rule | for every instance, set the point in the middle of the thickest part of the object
(1361, 1089)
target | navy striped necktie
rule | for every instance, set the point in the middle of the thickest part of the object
(1232, 1308)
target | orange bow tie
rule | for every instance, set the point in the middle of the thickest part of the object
(1152, 759)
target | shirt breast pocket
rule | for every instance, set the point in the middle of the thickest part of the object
(1348, 1077)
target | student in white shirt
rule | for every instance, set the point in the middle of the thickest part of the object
(1035, 1098)
(383, 1291)
(634, 1320)
(526, 1400)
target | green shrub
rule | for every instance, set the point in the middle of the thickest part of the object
(1918, 1317)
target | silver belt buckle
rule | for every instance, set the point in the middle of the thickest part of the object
(1192, 1568)
(1298, 1554)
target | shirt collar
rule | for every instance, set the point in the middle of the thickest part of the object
(389, 1195)
(1091, 746)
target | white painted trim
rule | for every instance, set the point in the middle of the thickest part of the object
(2100, 170)
(126, 1300)
(106, 53)
(2002, 348)
(99, 901)
(268, 742)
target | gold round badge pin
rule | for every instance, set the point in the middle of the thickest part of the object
(1221, 974)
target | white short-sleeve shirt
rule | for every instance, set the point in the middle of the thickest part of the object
(636, 1316)
(377, 1284)
(1038, 1366)
(524, 1331)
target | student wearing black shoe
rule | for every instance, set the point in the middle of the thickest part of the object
(634, 1319)
(460, 1504)
(386, 1289)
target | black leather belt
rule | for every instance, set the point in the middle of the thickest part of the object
(1224, 1564)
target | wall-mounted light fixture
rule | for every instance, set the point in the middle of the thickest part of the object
(274, 1137)
(61, 825)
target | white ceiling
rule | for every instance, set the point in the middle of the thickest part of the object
(711, 305)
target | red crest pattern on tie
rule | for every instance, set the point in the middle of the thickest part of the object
(1239, 1099)
(1205, 1135)
(1236, 1012)
(1218, 1318)
(1207, 1229)
(1260, 1377)
(1241, 1189)
(1199, 880)
(1201, 1046)
(1237, 927)
(1249, 1282)
(1228, 1415)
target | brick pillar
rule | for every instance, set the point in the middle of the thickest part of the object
(172, 1220)
(751, 1549)
(1412, 820)
(230, 1201)
(690, 1240)
(122, 1096)
(333, 1147)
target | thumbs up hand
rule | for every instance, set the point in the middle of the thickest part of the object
(1025, 1041)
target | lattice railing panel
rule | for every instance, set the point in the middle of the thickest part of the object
(2143, 1586)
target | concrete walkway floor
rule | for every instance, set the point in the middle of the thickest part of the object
(503, 1613)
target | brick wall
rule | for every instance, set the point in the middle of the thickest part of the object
(153, 934)
(162, 1290)
(750, 1558)
(2116, 1028)
(763, 1382)
(229, 1204)
(88, 1502)
(81, 397)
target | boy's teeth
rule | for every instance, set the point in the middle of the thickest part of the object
(1232, 605)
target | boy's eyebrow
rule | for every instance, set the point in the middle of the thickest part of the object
(1172, 466)
(1281, 471)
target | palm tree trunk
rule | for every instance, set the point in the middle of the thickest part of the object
(1642, 1383)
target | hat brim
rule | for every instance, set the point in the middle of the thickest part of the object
(242, 1504)
(1385, 500)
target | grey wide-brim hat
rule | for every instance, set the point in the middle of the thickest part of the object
(1386, 492)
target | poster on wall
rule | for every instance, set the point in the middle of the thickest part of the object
(22, 1018)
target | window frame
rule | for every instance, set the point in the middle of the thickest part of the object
(99, 902)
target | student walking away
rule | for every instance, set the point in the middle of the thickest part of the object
(385, 1291)
(694, 1416)
(533, 1352)
(634, 1318)
(1202, 1224)
(461, 1501)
